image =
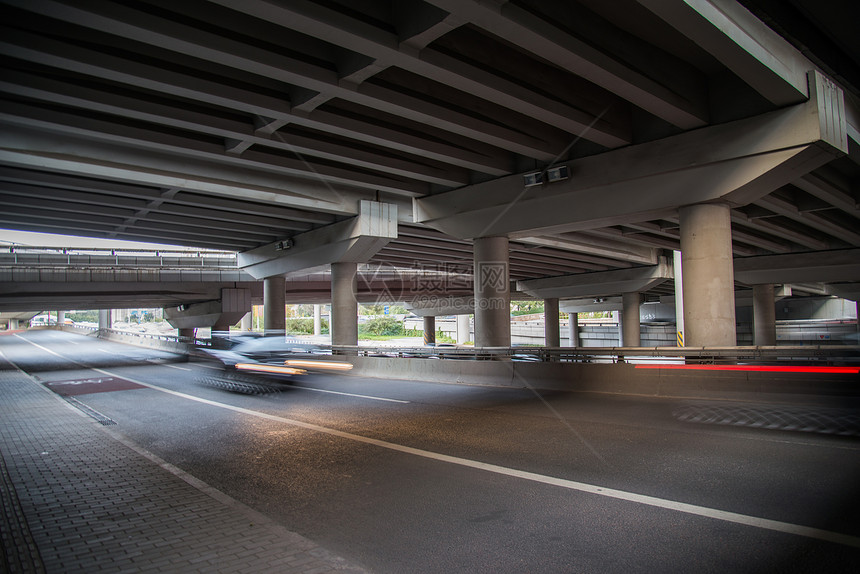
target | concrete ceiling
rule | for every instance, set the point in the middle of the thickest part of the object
(232, 124)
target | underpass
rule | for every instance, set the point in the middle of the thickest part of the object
(401, 476)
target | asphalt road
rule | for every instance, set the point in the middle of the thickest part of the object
(420, 477)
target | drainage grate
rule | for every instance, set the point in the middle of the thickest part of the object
(844, 422)
(102, 419)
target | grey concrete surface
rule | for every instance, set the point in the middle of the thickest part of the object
(433, 478)
(80, 498)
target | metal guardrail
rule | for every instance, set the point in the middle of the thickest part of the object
(771, 355)
(96, 258)
(819, 355)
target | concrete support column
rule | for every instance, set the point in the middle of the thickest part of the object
(247, 322)
(13, 324)
(186, 332)
(573, 329)
(492, 292)
(317, 320)
(678, 271)
(61, 318)
(630, 326)
(764, 315)
(463, 329)
(552, 337)
(274, 297)
(429, 330)
(104, 319)
(709, 290)
(343, 324)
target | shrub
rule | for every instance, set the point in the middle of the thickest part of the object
(382, 326)
(303, 326)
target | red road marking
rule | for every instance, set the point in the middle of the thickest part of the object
(91, 385)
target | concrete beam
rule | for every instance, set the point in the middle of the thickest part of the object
(240, 134)
(233, 305)
(743, 43)
(432, 306)
(529, 32)
(599, 284)
(110, 67)
(355, 240)
(385, 49)
(737, 162)
(205, 45)
(827, 267)
(590, 245)
(589, 305)
(43, 118)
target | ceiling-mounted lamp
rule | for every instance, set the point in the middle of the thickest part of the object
(533, 179)
(559, 173)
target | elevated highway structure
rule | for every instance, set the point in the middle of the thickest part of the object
(569, 147)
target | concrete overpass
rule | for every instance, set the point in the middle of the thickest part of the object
(567, 146)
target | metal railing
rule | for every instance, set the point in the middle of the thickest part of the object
(81, 258)
(823, 355)
(807, 354)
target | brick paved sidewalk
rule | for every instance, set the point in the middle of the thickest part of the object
(77, 497)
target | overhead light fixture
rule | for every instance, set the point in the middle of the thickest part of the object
(533, 179)
(282, 245)
(559, 173)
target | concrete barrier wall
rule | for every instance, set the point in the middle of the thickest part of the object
(618, 378)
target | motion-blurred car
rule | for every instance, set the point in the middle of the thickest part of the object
(275, 357)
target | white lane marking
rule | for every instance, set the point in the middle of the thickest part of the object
(99, 350)
(175, 367)
(726, 516)
(348, 394)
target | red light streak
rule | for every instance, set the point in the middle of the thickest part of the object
(754, 368)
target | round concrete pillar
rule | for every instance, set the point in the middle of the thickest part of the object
(464, 329)
(429, 330)
(344, 307)
(709, 289)
(492, 293)
(573, 330)
(552, 337)
(630, 326)
(274, 297)
(61, 318)
(317, 320)
(764, 315)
